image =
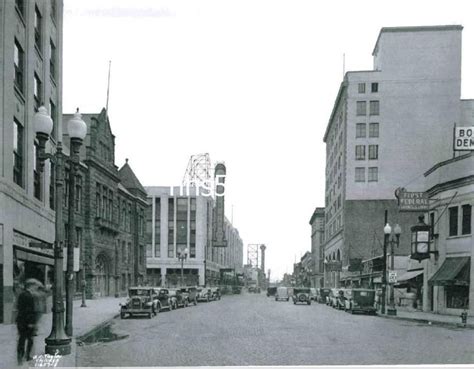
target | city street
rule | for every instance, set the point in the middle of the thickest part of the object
(253, 329)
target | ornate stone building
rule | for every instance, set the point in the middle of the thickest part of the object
(113, 253)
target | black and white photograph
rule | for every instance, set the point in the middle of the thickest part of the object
(223, 183)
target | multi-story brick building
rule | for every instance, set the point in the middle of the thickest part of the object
(31, 69)
(317, 247)
(174, 223)
(113, 254)
(387, 126)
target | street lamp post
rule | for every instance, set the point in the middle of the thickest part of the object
(389, 239)
(182, 256)
(58, 342)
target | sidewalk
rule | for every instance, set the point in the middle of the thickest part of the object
(84, 320)
(429, 318)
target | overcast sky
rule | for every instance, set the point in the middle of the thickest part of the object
(252, 83)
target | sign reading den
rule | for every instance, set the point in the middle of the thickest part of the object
(464, 138)
(412, 201)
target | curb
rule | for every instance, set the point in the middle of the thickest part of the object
(80, 339)
(428, 322)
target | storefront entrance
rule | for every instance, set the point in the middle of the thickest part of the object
(103, 278)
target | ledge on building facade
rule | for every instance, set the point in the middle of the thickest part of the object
(106, 224)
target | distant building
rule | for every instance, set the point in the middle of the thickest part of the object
(177, 221)
(387, 126)
(317, 247)
(31, 65)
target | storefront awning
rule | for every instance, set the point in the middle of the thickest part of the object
(454, 271)
(409, 275)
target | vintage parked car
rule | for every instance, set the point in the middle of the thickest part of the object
(271, 291)
(236, 290)
(333, 297)
(302, 295)
(340, 301)
(141, 301)
(164, 300)
(203, 294)
(282, 294)
(360, 300)
(191, 293)
(215, 293)
(322, 295)
(178, 298)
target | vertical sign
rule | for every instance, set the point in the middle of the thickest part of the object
(218, 239)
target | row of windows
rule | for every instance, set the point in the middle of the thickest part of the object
(460, 228)
(373, 174)
(361, 130)
(360, 152)
(374, 107)
(374, 87)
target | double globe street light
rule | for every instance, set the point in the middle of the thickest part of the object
(59, 340)
(390, 239)
(182, 256)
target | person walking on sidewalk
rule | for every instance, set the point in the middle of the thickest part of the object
(26, 320)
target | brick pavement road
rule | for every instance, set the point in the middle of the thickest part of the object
(256, 330)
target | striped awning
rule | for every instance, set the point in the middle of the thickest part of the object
(453, 272)
(409, 275)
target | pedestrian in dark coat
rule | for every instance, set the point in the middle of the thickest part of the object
(26, 321)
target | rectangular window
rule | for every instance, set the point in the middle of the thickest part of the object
(360, 174)
(37, 91)
(78, 199)
(375, 87)
(453, 221)
(360, 130)
(38, 26)
(51, 185)
(52, 60)
(53, 112)
(36, 174)
(361, 108)
(373, 130)
(360, 152)
(373, 152)
(124, 252)
(374, 108)
(149, 251)
(19, 62)
(17, 153)
(361, 88)
(466, 219)
(373, 174)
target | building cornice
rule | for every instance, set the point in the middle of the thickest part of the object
(450, 185)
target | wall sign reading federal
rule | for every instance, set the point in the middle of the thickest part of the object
(463, 138)
(412, 201)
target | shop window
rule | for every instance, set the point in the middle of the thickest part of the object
(457, 297)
